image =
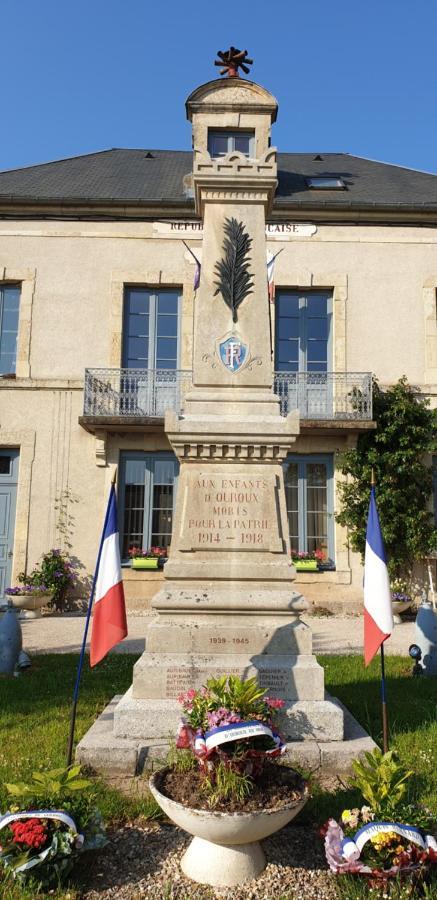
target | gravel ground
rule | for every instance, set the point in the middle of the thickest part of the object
(144, 862)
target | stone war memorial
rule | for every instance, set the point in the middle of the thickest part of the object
(228, 605)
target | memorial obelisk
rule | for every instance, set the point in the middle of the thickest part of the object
(228, 604)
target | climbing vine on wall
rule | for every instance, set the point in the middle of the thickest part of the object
(399, 452)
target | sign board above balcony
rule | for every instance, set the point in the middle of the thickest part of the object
(283, 231)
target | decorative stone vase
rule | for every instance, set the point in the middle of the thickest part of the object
(305, 565)
(399, 606)
(145, 562)
(225, 850)
(30, 605)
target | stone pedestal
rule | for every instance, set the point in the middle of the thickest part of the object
(257, 633)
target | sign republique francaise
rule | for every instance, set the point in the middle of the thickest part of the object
(274, 230)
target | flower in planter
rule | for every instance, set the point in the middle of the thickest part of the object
(55, 575)
(387, 837)
(303, 555)
(57, 821)
(153, 553)
(399, 590)
(229, 730)
(27, 589)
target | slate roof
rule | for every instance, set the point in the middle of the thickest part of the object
(146, 176)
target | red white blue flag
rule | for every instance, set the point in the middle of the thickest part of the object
(109, 617)
(378, 613)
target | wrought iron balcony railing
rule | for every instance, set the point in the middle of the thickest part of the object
(134, 392)
(325, 395)
(138, 393)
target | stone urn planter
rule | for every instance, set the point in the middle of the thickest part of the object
(225, 850)
(399, 606)
(30, 604)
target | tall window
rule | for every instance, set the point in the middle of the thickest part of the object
(222, 142)
(310, 503)
(9, 308)
(147, 493)
(303, 325)
(151, 328)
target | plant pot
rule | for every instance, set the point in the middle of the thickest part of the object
(30, 605)
(145, 562)
(305, 565)
(399, 606)
(225, 850)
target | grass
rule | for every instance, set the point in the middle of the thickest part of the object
(35, 711)
(35, 715)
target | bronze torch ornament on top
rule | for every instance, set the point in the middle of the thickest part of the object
(231, 60)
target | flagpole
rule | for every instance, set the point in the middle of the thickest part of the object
(383, 692)
(384, 703)
(85, 635)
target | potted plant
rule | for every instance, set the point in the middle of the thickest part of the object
(29, 599)
(387, 838)
(307, 561)
(401, 600)
(224, 784)
(47, 584)
(147, 559)
(52, 821)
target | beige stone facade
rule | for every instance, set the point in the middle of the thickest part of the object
(73, 275)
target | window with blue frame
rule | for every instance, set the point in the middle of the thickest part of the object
(220, 143)
(9, 311)
(146, 499)
(151, 328)
(309, 493)
(303, 331)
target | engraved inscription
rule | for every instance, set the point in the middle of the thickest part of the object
(230, 641)
(275, 681)
(231, 511)
(178, 681)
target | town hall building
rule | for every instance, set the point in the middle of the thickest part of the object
(100, 265)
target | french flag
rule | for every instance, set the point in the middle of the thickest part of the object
(378, 613)
(109, 618)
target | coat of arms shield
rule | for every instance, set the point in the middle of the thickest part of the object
(233, 353)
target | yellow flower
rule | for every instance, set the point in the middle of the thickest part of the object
(383, 839)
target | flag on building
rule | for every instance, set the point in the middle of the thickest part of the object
(271, 275)
(378, 613)
(109, 618)
(197, 275)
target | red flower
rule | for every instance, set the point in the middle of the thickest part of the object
(30, 832)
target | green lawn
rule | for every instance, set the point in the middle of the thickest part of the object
(35, 709)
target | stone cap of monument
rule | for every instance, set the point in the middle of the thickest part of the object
(231, 95)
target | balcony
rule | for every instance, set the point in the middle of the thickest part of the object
(138, 398)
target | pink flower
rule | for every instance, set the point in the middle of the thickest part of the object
(274, 702)
(185, 736)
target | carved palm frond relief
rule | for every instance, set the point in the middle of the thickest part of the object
(234, 281)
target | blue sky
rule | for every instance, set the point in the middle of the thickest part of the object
(356, 77)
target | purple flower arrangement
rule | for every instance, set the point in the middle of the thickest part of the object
(55, 575)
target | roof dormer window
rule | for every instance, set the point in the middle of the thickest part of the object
(220, 143)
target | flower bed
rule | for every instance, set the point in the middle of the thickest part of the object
(386, 839)
(42, 842)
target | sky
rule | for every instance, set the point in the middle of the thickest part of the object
(355, 77)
